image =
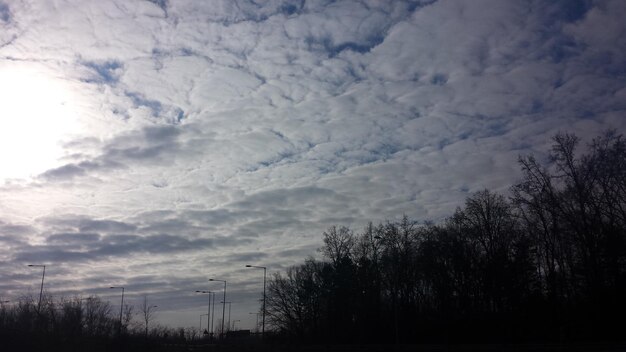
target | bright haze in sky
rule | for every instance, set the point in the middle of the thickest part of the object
(157, 144)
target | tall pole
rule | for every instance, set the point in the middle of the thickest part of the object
(43, 275)
(121, 308)
(223, 305)
(263, 328)
(263, 308)
(208, 315)
(212, 314)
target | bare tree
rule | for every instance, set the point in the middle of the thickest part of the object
(338, 244)
(127, 316)
(148, 312)
(293, 300)
(97, 316)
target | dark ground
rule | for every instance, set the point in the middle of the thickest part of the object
(598, 347)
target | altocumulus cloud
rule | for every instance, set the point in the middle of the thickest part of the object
(219, 133)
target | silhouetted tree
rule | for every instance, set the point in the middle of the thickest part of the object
(147, 312)
(97, 316)
(574, 211)
(293, 301)
(549, 263)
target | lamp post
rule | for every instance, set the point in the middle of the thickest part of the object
(212, 316)
(208, 315)
(223, 305)
(121, 308)
(43, 275)
(263, 308)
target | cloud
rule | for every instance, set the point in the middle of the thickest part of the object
(150, 144)
(147, 144)
(111, 239)
(68, 238)
(70, 171)
(5, 12)
(15, 230)
(236, 131)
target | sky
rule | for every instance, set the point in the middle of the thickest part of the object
(156, 144)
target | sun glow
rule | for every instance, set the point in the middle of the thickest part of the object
(37, 113)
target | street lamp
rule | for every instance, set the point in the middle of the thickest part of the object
(223, 305)
(263, 309)
(208, 315)
(121, 307)
(43, 275)
(212, 316)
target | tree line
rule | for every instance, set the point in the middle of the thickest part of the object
(83, 324)
(547, 263)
